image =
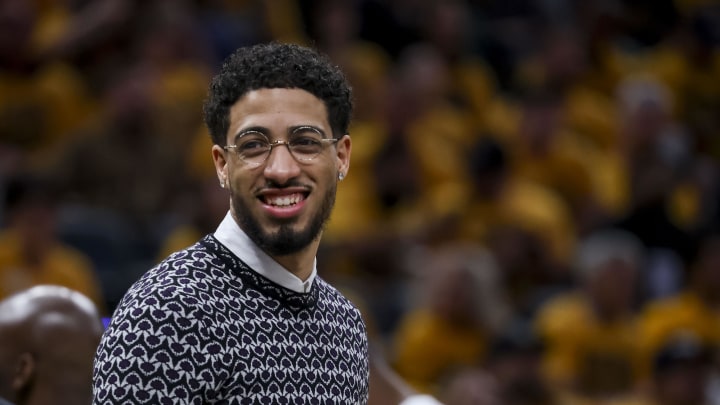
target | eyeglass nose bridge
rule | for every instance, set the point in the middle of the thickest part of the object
(280, 142)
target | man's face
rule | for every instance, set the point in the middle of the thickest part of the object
(283, 203)
(613, 286)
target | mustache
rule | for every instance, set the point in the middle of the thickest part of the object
(272, 184)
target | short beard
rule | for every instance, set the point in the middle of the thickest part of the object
(285, 240)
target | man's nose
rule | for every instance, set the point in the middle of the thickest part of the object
(281, 166)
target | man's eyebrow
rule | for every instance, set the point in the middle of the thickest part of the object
(291, 131)
(295, 129)
(252, 130)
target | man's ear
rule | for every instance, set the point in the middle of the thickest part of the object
(23, 371)
(220, 162)
(344, 149)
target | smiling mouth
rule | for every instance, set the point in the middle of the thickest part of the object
(283, 201)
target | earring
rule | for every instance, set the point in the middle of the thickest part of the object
(341, 176)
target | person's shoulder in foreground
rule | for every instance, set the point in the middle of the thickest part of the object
(241, 316)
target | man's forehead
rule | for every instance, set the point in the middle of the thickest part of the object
(277, 109)
(276, 96)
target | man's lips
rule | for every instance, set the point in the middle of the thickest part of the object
(283, 198)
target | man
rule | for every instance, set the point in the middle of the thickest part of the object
(589, 333)
(241, 316)
(694, 309)
(48, 337)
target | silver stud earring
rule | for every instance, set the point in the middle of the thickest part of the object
(341, 176)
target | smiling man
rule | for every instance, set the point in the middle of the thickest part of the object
(242, 316)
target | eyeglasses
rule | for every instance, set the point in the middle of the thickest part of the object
(305, 144)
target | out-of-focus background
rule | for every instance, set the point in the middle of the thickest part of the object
(531, 214)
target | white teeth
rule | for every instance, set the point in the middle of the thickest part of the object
(285, 201)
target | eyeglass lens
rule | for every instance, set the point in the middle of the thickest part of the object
(254, 147)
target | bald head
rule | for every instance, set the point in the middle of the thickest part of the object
(48, 337)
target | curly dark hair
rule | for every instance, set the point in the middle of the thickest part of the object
(277, 65)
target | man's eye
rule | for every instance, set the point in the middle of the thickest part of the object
(305, 141)
(252, 145)
(306, 144)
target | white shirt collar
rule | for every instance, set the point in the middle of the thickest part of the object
(234, 238)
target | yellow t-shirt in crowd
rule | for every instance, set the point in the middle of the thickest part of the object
(527, 206)
(662, 320)
(583, 352)
(427, 346)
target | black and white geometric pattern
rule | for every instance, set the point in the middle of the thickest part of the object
(202, 327)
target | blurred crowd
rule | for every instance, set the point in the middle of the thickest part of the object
(532, 213)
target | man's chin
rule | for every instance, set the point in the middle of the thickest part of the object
(282, 246)
(284, 239)
(281, 236)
